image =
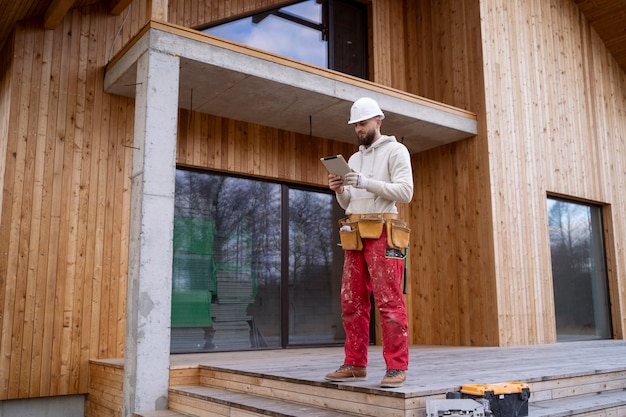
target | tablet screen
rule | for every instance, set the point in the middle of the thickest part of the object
(336, 164)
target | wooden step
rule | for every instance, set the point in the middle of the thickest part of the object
(161, 413)
(202, 401)
(590, 383)
(600, 404)
(198, 401)
(350, 400)
(573, 385)
(376, 402)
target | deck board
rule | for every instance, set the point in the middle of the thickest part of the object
(431, 368)
(564, 378)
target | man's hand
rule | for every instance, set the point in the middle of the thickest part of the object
(356, 179)
(335, 182)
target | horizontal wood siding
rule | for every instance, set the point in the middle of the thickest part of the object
(105, 397)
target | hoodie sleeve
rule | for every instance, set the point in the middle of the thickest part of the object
(344, 198)
(400, 188)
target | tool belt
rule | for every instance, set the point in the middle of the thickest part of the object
(356, 227)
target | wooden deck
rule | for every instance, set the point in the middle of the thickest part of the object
(431, 368)
(575, 378)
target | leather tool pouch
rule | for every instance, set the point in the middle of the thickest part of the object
(349, 235)
(371, 228)
(397, 234)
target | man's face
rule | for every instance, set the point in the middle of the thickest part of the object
(366, 131)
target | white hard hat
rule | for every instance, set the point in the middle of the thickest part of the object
(363, 109)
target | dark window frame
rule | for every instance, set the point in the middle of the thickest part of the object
(598, 246)
(359, 50)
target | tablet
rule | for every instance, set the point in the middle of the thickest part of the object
(336, 164)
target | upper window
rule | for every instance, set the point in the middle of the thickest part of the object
(326, 33)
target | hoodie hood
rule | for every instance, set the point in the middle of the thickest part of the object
(378, 143)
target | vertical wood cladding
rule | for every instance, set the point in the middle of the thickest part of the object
(64, 221)
(216, 143)
(65, 204)
(555, 110)
(551, 108)
(552, 117)
(453, 269)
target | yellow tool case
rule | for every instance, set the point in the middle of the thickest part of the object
(506, 399)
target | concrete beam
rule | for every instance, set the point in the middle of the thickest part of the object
(230, 80)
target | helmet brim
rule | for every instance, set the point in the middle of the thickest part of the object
(351, 122)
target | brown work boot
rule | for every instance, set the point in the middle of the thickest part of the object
(348, 373)
(393, 378)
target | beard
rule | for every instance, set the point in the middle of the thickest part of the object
(367, 139)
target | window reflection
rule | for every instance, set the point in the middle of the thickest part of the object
(226, 258)
(578, 271)
(314, 309)
(326, 33)
(294, 31)
(232, 260)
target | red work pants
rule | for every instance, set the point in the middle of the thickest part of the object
(363, 272)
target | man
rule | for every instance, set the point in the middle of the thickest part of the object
(381, 176)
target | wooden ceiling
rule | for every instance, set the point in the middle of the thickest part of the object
(608, 17)
(51, 12)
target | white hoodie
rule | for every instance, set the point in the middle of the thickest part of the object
(387, 166)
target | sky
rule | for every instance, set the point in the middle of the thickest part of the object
(281, 36)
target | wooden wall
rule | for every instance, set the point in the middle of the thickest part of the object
(551, 120)
(64, 223)
(226, 145)
(555, 109)
(453, 274)
(194, 13)
(5, 97)
(64, 219)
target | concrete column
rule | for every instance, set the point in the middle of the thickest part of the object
(148, 309)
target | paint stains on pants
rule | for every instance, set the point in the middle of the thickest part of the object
(365, 272)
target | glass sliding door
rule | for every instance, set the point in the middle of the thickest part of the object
(314, 315)
(226, 266)
(255, 265)
(581, 297)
